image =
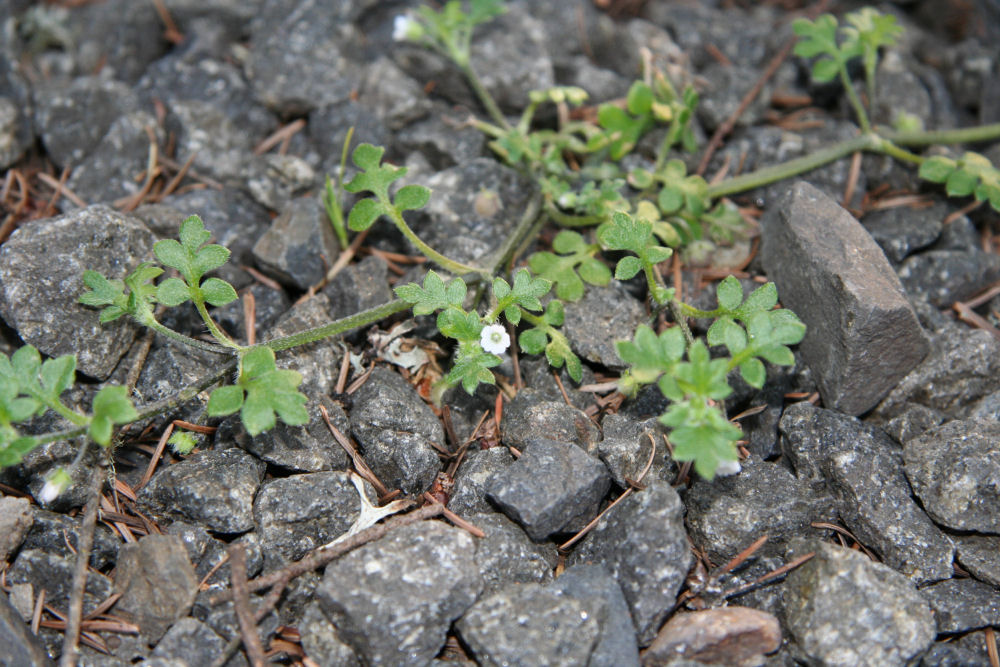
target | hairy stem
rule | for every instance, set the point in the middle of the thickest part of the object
(852, 96)
(450, 265)
(484, 95)
(153, 324)
(338, 326)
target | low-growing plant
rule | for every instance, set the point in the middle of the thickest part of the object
(639, 216)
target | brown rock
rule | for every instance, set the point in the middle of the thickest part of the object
(735, 636)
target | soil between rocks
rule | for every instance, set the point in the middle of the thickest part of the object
(872, 466)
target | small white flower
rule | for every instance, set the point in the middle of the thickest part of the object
(404, 28)
(494, 339)
(727, 468)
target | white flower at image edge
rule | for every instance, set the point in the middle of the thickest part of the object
(402, 27)
(728, 468)
(494, 339)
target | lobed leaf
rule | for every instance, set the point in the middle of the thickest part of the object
(434, 295)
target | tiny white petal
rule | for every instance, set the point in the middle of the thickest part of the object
(49, 492)
(494, 339)
(401, 27)
(727, 468)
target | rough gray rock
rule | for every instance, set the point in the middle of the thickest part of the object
(359, 287)
(309, 448)
(900, 231)
(319, 362)
(954, 470)
(843, 609)
(299, 513)
(863, 469)
(21, 647)
(726, 86)
(294, 76)
(157, 583)
(914, 420)
(603, 316)
(946, 276)
(627, 447)
(327, 128)
(735, 636)
(16, 134)
(299, 246)
(203, 130)
(596, 589)
(443, 139)
(392, 95)
(506, 555)
(863, 336)
(725, 516)
(391, 421)
(980, 555)
(964, 366)
(41, 265)
(961, 605)
(322, 641)
(189, 642)
(468, 496)
(52, 532)
(276, 181)
(643, 544)
(554, 487)
(55, 574)
(393, 600)
(529, 624)
(530, 416)
(107, 173)
(214, 488)
(15, 522)
(73, 118)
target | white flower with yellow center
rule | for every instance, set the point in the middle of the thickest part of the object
(494, 339)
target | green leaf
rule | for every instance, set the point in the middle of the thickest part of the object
(210, 258)
(225, 400)
(111, 406)
(103, 292)
(513, 314)
(627, 268)
(218, 292)
(555, 313)
(172, 254)
(594, 272)
(778, 355)
(58, 374)
(671, 199)
(193, 234)
(568, 241)
(182, 442)
(411, 197)
(825, 70)
(268, 390)
(724, 331)
(527, 291)
(375, 177)
(729, 293)
(172, 292)
(625, 233)
(701, 375)
(703, 436)
(753, 372)
(649, 355)
(363, 214)
(532, 341)
(500, 288)
(819, 36)
(26, 363)
(640, 98)
(559, 354)
(457, 324)
(960, 183)
(434, 295)
(472, 368)
(763, 298)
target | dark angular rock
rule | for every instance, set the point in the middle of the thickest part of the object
(843, 609)
(393, 600)
(538, 375)
(954, 470)
(55, 574)
(900, 91)
(443, 139)
(234, 219)
(322, 642)
(946, 276)
(643, 544)
(308, 448)
(210, 80)
(963, 367)
(359, 287)
(169, 367)
(189, 642)
(15, 522)
(401, 460)
(727, 85)
(221, 618)
(120, 38)
(107, 173)
(21, 647)
(294, 76)
(214, 488)
(529, 416)
(157, 583)
(452, 224)
(328, 125)
(506, 555)
(603, 316)
(965, 650)
(554, 487)
(961, 605)
(863, 336)
(529, 624)
(596, 589)
(980, 555)
(627, 447)
(299, 246)
(215, 552)
(387, 403)
(900, 231)
(731, 636)
(51, 531)
(395, 97)
(468, 496)
(862, 468)
(72, 119)
(41, 265)
(16, 134)
(319, 362)
(913, 421)
(203, 130)
(697, 26)
(276, 181)
(300, 513)
(725, 516)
